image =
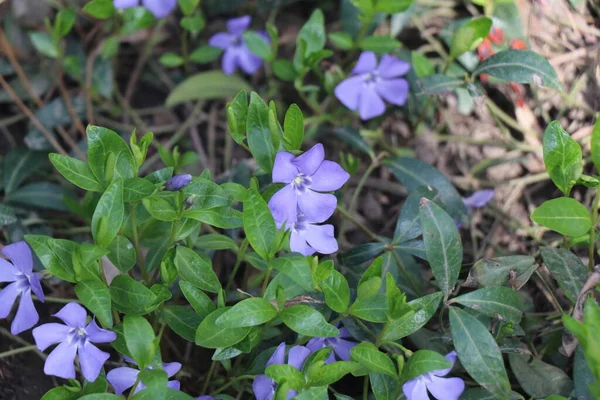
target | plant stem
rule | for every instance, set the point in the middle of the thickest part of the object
(132, 391)
(231, 382)
(361, 226)
(209, 374)
(595, 205)
(266, 281)
(366, 388)
(18, 351)
(136, 244)
(238, 262)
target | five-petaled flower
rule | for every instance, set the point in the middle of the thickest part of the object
(306, 176)
(178, 182)
(159, 8)
(307, 238)
(440, 388)
(478, 199)
(74, 338)
(236, 53)
(341, 348)
(23, 281)
(123, 378)
(264, 387)
(372, 83)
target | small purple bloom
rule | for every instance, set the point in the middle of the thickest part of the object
(236, 53)
(440, 388)
(23, 281)
(178, 182)
(308, 239)
(478, 199)
(124, 377)
(371, 84)
(74, 338)
(264, 387)
(341, 347)
(205, 397)
(306, 176)
(160, 8)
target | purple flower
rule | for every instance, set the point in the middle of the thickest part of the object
(236, 53)
(440, 388)
(160, 8)
(341, 347)
(124, 377)
(478, 199)
(74, 338)
(307, 238)
(264, 387)
(306, 176)
(23, 281)
(205, 397)
(371, 84)
(178, 182)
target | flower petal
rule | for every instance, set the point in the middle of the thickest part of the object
(73, 315)
(344, 333)
(122, 378)
(238, 25)
(222, 40)
(370, 104)
(297, 356)
(443, 372)
(284, 205)
(321, 238)
(278, 356)
(48, 334)
(27, 316)
(7, 271)
(160, 8)
(415, 389)
(229, 63)
(348, 91)
(446, 388)
(394, 91)
(96, 334)
(367, 62)
(310, 161)
(330, 176)
(298, 244)
(175, 385)
(316, 207)
(8, 295)
(479, 199)
(316, 343)
(342, 349)
(171, 368)
(122, 4)
(263, 387)
(60, 361)
(36, 286)
(249, 62)
(283, 169)
(91, 359)
(20, 255)
(392, 67)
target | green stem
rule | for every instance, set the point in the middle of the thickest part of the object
(595, 205)
(266, 281)
(361, 226)
(231, 382)
(132, 391)
(17, 351)
(406, 351)
(58, 300)
(238, 262)
(209, 374)
(136, 244)
(364, 327)
(366, 388)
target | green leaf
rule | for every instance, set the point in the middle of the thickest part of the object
(307, 321)
(94, 294)
(442, 245)
(341, 40)
(379, 44)
(478, 352)
(495, 302)
(372, 309)
(568, 270)
(205, 54)
(367, 355)
(100, 9)
(421, 65)
(249, 312)
(313, 33)
(293, 127)
(424, 361)
(108, 216)
(131, 297)
(206, 193)
(182, 321)
(258, 45)
(188, 6)
(199, 301)
(76, 171)
(40, 194)
(469, 36)
(564, 215)
(211, 85)
(63, 23)
(361, 253)
(193, 23)
(108, 155)
(286, 373)
(330, 373)
(171, 60)
(221, 217)
(259, 224)
(18, 165)
(437, 84)
(43, 43)
(216, 241)
(122, 254)
(212, 336)
(7, 216)
(562, 156)
(392, 6)
(539, 379)
(196, 270)
(136, 189)
(259, 134)
(424, 308)
(521, 66)
(337, 292)
(595, 145)
(297, 268)
(55, 254)
(62, 393)
(384, 386)
(162, 206)
(284, 70)
(140, 340)
(500, 271)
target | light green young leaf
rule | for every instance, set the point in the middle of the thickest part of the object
(307, 321)
(212, 336)
(469, 36)
(564, 215)
(423, 361)
(367, 355)
(108, 216)
(140, 340)
(76, 171)
(259, 224)
(562, 156)
(94, 294)
(206, 86)
(249, 312)
(196, 270)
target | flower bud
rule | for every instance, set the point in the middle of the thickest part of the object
(178, 182)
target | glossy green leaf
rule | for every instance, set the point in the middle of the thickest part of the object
(423, 361)
(293, 127)
(286, 373)
(249, 312)
(216, 241)
(331, 373)
(140, 340)
(94, 294)
(539, 379)
(100, 9)
(259, 133)
(122, 254)
(136, 189)
(495, 301)
(109, 156)
(514, 271)
(437, 84)
(337, 291)
(568, 270)
(18, 165)
(361, 253)
(212, 336)
(564, 215)
(307, 321)
(258, 45)
(469, 36)
(372, 309)
(196, 270)
(109, 213)
(63, 22)
(221, 217)
(384, 386)
(55, 254)
(207, 194)
(297, 268)
(313, 32)
(595, 145)
(209, 85)
(367, 355)
(131, 297)
(45, 195)
(562, 156)
(199, 301)
(182, 321)
(259, 224)
(379, 44)
(424, 308)
(76, 171)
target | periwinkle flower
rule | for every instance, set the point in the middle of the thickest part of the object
(307, 238)
(22, 281)
(178, 182)
(205, 397)
(341, 348)
(440, 388)
(73, 338)
(306, 176)
(159, 8)
(478, 199)
(371, 84)
(264, 387)
(123, 378)
(236, 52)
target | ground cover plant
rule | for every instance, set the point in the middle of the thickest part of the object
(354, 199)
